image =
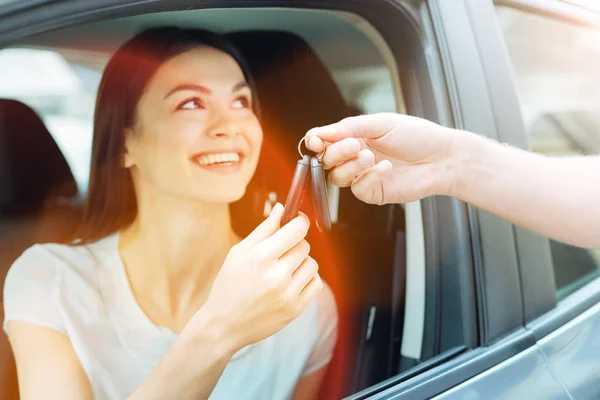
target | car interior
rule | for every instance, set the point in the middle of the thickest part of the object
(311, 68)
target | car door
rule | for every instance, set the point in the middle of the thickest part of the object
(415, 297)
(546, 103)
(473, 297)
(480, 95)
(447, 305)
(538, 300)
(559, 96)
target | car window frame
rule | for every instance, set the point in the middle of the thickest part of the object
(452, 229)
(471, 45)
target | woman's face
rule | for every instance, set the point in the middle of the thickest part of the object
(195, 136)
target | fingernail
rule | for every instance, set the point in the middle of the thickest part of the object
(384, 166)
(301, 214)
(311, 142)
(276, 208)
(365, 158)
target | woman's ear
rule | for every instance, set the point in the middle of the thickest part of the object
(127, 160)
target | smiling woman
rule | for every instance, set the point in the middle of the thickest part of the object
(157, 287)
(156, 126)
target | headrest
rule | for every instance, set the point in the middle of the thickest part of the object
(33, 170)
(295, 89)
(296, 92)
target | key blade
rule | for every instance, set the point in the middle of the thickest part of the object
(297, 189)
(319, 195)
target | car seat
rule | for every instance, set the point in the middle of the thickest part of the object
(36, 189)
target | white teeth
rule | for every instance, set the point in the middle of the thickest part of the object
(214, 158)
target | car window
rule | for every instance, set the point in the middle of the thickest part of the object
(59, 79)
(61, 89)
(556, 66)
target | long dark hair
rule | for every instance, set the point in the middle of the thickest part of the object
(111, 201)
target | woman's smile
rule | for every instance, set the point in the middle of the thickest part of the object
(222, 161)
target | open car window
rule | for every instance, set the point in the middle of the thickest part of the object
(403, 307)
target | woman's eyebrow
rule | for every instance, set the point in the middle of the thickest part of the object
(239, 85)
(190, 86)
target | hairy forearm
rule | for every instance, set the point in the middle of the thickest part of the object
(558, 197)
(190, 369)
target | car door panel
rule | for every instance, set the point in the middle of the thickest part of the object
(573, 351)
(524, 376)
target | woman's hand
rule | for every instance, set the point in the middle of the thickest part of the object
(267, 280)
(387, 158)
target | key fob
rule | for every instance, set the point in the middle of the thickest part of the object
(297, 189)
(319, 195)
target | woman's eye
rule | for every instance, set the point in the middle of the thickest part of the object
(191, 104)
(241, 102)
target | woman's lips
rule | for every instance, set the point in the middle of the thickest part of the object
(226, 161)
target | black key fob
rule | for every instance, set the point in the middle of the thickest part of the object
(297, 189)
(319, 195)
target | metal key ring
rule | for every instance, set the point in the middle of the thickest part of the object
(319, 155)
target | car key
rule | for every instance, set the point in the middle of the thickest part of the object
(319, 195)
(297, 189)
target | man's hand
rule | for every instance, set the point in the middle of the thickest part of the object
(386, 158)
(392, 158)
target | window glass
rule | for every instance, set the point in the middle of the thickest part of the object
(58, 73)
(62, 90)
(556, 68)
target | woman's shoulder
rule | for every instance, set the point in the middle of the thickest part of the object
(60, 255)
(44, 263)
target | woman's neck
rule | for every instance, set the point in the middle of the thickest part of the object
(173, 252)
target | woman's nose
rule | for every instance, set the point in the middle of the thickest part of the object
(222, 126)
(221, 134)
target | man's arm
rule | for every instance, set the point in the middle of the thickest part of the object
(393, 158)
(558, 197)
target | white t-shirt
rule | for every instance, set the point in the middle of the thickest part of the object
(83, 292)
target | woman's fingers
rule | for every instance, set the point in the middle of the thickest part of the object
(294, 257)
(266, 228)
(303, 275)
(310, 291)
(285, 238)
(344, 174)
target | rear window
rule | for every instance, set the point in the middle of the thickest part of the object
(61, 88)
